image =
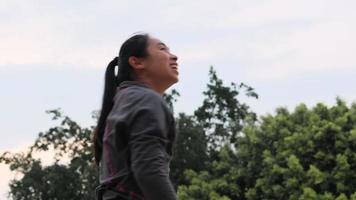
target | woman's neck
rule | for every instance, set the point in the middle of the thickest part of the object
(159, 88)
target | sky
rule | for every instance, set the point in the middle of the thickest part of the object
(53, 54)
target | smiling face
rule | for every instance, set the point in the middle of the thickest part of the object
(159, 69)
(161, 65)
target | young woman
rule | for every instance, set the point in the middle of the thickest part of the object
(135, 134)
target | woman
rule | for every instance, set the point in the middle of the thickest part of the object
(135, 134)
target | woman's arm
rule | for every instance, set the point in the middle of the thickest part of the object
(149, 159)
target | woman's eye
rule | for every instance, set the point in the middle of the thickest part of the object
(164, 49)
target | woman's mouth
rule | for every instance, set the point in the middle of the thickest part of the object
(174, 67)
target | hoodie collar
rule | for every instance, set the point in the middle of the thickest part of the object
(126, 84)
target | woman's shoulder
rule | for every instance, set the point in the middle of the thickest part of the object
(137, 94)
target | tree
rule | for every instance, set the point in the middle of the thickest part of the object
(76, 180)
(217, 183)
(304, 154)
(307, 152)
(222, 115)
(190, 151)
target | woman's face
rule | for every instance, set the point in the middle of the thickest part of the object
(161, 65)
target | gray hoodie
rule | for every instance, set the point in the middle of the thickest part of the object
(138, 144)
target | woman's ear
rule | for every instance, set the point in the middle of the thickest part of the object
(136, 63)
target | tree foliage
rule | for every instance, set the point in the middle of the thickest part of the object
(304, 154)
(191, 148)
(222, 115)
(214, 124)
(75, 180)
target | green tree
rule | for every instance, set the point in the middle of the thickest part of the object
(223, 117)
(221, 114)
(304, 154)
(313, 148)
(190, 151)
(76, 180)
(307, 154)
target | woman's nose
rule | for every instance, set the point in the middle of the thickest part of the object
(174, 57)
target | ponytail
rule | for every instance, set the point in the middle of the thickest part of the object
(107, 104)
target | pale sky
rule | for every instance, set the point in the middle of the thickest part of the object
(54, 53)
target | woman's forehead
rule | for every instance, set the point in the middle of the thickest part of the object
(156, 41)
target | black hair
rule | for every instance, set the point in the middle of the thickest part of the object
(134, 46)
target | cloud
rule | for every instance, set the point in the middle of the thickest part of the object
(56, 33)
(323, 47)
(274, 40)
(271, 39)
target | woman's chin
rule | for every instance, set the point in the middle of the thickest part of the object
(176, 78)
